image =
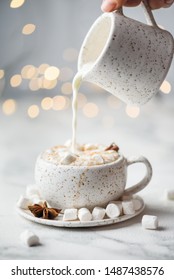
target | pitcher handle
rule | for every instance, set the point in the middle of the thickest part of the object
(144, 182)
(147, 11)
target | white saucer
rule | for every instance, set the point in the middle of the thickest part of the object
(58, 222)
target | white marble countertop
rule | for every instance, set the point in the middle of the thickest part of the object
(151, 135)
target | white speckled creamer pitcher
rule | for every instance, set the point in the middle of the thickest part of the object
(66, 186)
(125, 57)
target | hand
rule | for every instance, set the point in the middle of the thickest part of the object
(111, 5)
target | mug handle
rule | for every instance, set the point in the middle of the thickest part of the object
(147, 11)
(144, 182)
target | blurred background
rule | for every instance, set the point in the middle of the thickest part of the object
(40, 41)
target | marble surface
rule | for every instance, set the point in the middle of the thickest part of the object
(151, 134)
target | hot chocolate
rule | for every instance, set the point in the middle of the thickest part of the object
(84, 155)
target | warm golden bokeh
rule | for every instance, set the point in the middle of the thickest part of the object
(16, 80)
(66, 88)
(113, 102)
(33, 111)
(82, 100)
(132, 111)
(35, 84)
(90, 110)
(2, 73)
(28, 29)
(166, 87)
(51, 73)
(59, 102)
(47, 103)
(9, 107)
(42, 68)
(16, 3)
(29, 72)
(46, 84)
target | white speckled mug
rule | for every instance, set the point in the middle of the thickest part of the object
(86, 186)
(127, 58)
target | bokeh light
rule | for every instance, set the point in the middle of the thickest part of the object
(166, 87)
(47, 103)
(28, 29)
(29, 72)
(15, 80)
(9, 107)
(33, 111)
(113, 102)
(66, 88)
(90, 110)
(70, 54)
(51, 73)
(59, 102)
(2, 73)
(132, 111)
(35, 84)
(46, 84)
(16, 3)
(42, 68)
(82, 100)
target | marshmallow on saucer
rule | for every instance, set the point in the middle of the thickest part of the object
(114, 209)
(150, 222)
(128, 207)
(29, 239)
(68, 158)
(23, 202)
(70, 214)
(32, 190)
(98, 213)
(137, 204)
(84, 215)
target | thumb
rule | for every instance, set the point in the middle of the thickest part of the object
(111, 5)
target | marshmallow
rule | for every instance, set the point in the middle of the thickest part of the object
(70, 214)
(169, 194)
(150, 222)
(28, 238)
(97, 159)
(68, 158)
(37, 200)
(90, 146)
(23, 202)
(114, 209)
(84, 215)
(98, 213)
(32, 190)
(137, 204)
(128, 207)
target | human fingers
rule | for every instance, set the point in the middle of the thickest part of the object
(132, 3)
(157, 4)
(111, 5)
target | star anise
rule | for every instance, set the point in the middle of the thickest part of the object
(44, 211)
(113, 147)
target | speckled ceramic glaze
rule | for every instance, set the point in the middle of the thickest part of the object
(86, 186)
(125, 57)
